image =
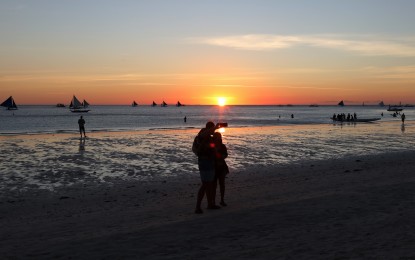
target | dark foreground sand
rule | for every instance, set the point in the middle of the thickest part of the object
(341, 209)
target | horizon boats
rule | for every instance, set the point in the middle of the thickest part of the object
(134, 104)
(9, 104)
(395, 108)
(77, 107)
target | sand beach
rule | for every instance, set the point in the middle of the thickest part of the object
(92, 203)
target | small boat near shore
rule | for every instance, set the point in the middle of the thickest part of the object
(394, 108)
(358, 120)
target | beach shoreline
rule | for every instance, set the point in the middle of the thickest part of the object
(354, 207)
(50, 161)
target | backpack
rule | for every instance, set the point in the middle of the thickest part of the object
(197, 145)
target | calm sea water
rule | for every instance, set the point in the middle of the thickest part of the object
(49, 119)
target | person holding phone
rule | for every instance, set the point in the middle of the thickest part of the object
(206, 163)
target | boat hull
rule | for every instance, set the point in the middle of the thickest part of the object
(395, 109)
(80, 110)
(359, 120)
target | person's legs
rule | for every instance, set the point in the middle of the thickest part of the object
(222, 189)
(214, 188)
(210, 193)
(200, 196)
(207, 174)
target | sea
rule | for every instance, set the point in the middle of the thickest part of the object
(41, 147)
(51, 119)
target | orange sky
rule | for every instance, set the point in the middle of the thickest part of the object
(189, 52)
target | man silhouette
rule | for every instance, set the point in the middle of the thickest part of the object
(81, 123)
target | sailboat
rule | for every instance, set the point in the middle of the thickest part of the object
(77, 107)
(164, 104)
(9, 103)
(85, 104)
(134, 104)
(381, 104)
(394, 108)
(179, 104)
(154, 104)
(341, 103)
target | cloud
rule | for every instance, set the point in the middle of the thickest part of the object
(363, 45)
(399, 73)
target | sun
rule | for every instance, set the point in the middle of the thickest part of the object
(221, 101)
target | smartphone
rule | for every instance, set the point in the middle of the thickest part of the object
(223, 124)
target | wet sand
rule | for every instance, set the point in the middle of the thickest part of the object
(347, 208)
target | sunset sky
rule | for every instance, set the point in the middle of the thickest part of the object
(250, 52)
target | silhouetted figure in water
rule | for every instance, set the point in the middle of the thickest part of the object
(81, 123)
(185, 119)
(292, 115)
(403, 118)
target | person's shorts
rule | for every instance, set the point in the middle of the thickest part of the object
(206, 169)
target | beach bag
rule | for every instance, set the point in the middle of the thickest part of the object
(197, 145)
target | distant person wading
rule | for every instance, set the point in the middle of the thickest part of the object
(81, 123)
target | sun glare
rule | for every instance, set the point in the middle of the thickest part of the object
(221, 101)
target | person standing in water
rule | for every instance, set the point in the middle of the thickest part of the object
(403, 118)
(81, 123)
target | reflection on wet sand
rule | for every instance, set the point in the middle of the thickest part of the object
(82, 144)
(48, 161)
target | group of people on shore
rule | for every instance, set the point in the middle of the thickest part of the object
(211, 155)
(344, 117)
